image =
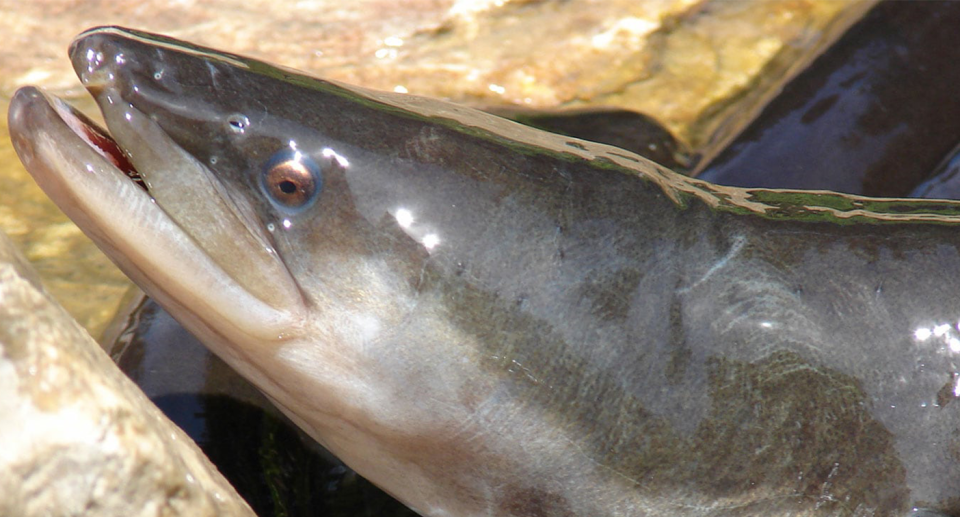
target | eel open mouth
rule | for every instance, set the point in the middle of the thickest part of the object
(90, 176)
(97, 138)
(165, 218)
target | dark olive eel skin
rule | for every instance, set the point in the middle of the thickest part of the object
(704, 350)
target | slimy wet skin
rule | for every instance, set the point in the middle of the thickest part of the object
(485, 319)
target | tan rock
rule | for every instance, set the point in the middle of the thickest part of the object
(76, 436)
(689, 64)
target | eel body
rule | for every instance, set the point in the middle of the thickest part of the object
(486, 319)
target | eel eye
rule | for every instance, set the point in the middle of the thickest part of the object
(291, 179)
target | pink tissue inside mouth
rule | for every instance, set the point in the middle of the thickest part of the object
(98, 139)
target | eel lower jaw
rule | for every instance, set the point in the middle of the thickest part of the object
(88, 176)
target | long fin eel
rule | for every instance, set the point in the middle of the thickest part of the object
(485, 319)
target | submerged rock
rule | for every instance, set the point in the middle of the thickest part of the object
(78, 438)
(944, 183)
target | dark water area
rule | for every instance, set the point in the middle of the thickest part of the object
(625, 129)
(873, 115)
(279, 471)
(270, 464)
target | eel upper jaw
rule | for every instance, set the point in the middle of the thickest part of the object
(87, 175)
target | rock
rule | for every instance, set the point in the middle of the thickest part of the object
(944, 183)
(693, 65)
(78, 438)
